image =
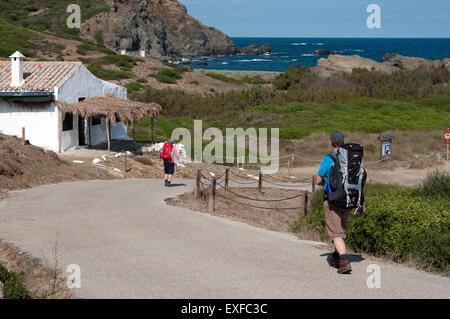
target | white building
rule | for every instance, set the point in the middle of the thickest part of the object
(29, 92)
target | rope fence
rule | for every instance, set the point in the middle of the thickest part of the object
(205, 185)
(240, 161)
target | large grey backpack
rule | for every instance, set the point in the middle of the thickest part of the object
(347, 177)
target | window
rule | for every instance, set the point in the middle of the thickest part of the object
(96, 121)
(68, 122)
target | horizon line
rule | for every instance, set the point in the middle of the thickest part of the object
(328, 37)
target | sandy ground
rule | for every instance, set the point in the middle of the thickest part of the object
(228, 205)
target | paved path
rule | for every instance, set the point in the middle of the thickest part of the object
(130, 244)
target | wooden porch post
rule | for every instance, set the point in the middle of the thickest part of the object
(134, 136)
(62, 115)
(89, 132)
(108, 134)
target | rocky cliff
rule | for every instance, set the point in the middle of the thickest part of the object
(161, 27)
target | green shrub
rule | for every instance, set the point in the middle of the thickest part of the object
(170, 73)
(142, 80)
(223, 78)
(172, 65)
(433, 250)
(108, 75)
(399, 222)
(437, 183)
(195, 82)
(165, 79)
(290, 78)
(133, 87)
(12, 285)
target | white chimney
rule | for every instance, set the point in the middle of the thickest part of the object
(17, 69)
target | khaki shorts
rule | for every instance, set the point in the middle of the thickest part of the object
(335, 220)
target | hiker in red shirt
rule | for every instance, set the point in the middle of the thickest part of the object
(167, 156)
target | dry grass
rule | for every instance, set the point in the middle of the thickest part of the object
(27, 166)
(406, 146)
(38, 280)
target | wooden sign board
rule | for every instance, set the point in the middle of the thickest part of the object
(447, 136)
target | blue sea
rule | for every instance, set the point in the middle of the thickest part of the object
(292, 51)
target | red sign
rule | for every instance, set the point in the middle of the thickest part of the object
(447, 136)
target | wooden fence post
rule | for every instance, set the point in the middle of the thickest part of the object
(304, 207)
(212, 196)
(289, 168)
(197, 184)
(313, 183)
(23, 135)
(260, 182)
(227, 177)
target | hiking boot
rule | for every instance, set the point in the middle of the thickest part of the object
(166, 183)
(344, 265)
(334, 260)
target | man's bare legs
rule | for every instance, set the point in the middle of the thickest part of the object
(340, 245)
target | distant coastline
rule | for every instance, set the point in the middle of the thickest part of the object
(292, 51)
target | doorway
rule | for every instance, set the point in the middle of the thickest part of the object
(82, 125)
(81, 130)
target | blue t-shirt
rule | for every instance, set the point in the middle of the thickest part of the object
(325, 168)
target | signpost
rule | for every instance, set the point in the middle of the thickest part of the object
(447, 139)
(386, 146)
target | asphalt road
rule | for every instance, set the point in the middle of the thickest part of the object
(130, 244)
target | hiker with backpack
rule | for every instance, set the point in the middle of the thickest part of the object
(343, 176)
(168, 157)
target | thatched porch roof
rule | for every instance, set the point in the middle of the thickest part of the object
(112, 107)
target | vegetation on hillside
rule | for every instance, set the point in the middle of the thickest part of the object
(48, 15)
(404, 223)
(299, 119)
(170, 76)
(243, 80)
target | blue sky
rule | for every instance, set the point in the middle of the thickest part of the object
(322, 18)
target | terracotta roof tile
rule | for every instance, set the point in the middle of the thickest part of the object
(39, 75)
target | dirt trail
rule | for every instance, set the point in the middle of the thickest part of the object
(398, 175)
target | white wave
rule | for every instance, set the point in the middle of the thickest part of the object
(319, 43)
(307, 54)
(358, 50)
(255, 60)
(224, 63)
(294, 60)
(303, 43)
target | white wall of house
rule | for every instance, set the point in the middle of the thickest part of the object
(41, 124)
(83, 84)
